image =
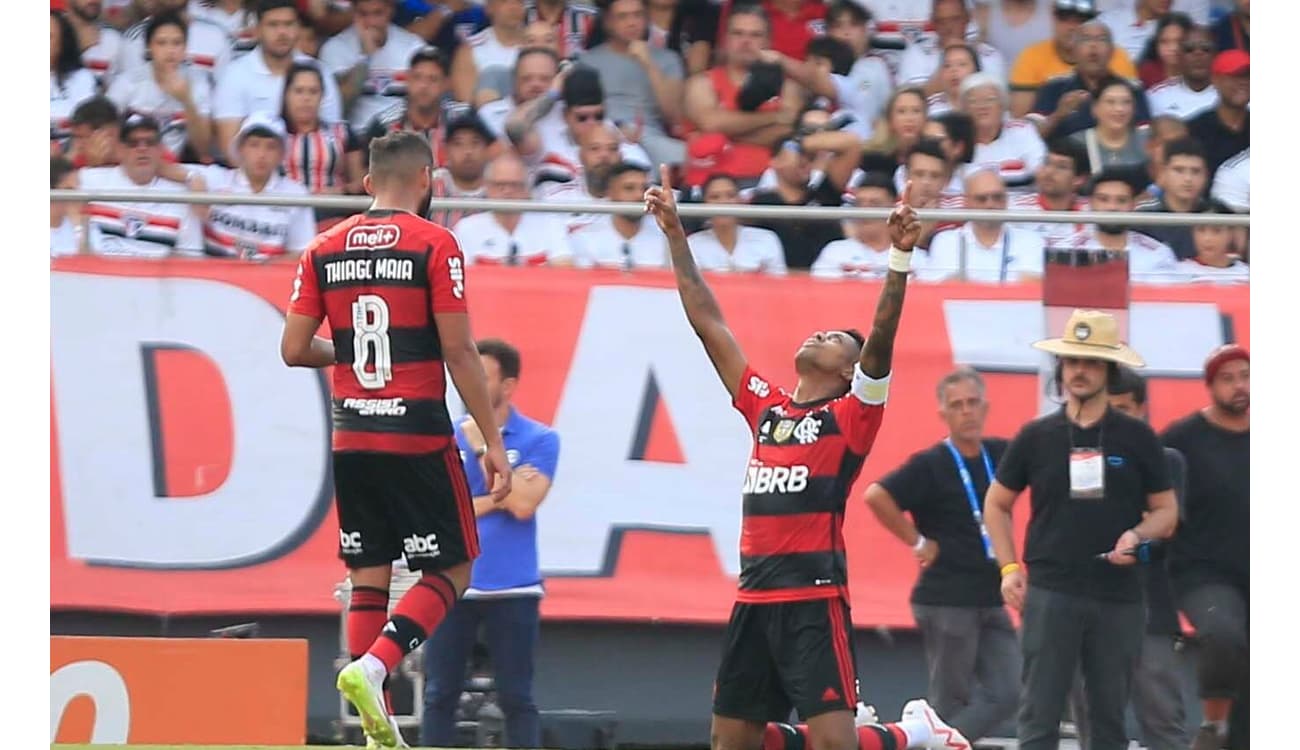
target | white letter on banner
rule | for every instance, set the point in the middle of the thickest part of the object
(105, 686)
(626, 334)
(276, 491)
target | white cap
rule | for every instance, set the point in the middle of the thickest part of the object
(262, 123)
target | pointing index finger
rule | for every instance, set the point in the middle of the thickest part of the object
(907, 193)
(665, 178)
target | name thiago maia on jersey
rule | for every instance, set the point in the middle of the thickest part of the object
(364, 269)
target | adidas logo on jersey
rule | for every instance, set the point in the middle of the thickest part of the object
(760, 480)
(372, 237)
(376, 407)
(421, 546)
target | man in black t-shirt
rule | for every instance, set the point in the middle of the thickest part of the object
(1100, 488)
(1158, 683)
(970, 644)
(1210, 559)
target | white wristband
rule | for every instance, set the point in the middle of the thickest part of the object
(920, 543)
(900, 260)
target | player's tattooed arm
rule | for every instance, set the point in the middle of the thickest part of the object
(702, 309)
(878, 353)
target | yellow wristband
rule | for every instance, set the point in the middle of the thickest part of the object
(1010, 568)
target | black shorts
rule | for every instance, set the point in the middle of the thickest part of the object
(391, 505)
(786, 655)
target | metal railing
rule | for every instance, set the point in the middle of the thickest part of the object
(697, 210)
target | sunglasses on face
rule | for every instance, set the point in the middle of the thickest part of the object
(141, 142)
(596, 116)
(1198, 47)
(989, 198)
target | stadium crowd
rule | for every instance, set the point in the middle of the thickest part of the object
(1118, 105)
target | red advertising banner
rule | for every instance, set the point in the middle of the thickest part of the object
(190, 467)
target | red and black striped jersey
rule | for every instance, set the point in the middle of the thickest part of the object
(379, 277)
(805, 459)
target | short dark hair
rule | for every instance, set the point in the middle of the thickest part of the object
(876, 179)
(138, 121)
(927, 147)
(529, 52)
(623, 167)
(430, 53)
(854, 11)
(295, 70)
(856, 335)
(1128, 381)
(170, 18)
(97, 112)
(1124, 175)
(961, 129)
(1074, 151)
(837, 52)
(715, 177)
(399, 155)
(751, 9)
(1188, 146)
(507, 356)
(60, 167)
(970, 50)
(266, 6)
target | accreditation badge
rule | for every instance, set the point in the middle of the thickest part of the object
(1087, 474)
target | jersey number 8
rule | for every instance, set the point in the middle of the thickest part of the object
(370, 332)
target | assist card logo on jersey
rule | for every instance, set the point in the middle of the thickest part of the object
(372, 237)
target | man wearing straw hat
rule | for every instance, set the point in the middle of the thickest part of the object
(1092, 472)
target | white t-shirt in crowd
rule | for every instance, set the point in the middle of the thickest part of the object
(850, 258)
(1232, 182)
(757, 250)
(919, 61)
(537, 239)
(240, 25)
(1016, 255)
(599, 244)
(247, 86)
(1149, 260)
(1195, 272)
(101, 56)
(495, 113)
(1051, 233)
(488, 51)
(558, 145)
(142, 230)
(1173, 97)
(385, 82)
(136, 90)
(77, 87)
(864, 92)
(207, 47)
(1199, 10)
(65, 239)
(1129, 35)
(254, 232)
(1016, 153)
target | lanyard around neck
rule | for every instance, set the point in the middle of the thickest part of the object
(971, 497)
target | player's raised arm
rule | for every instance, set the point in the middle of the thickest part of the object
(701, 308)
(904, 230)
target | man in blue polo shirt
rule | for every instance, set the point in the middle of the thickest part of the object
(505, 589)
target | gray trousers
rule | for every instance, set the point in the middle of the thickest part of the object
(1221, 615)
(1065, 633)
(1157, 697)
(662, 148)
(973, 659)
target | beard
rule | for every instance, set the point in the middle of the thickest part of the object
(1112, 229)
(598, 180)
(1236, 407)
